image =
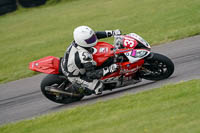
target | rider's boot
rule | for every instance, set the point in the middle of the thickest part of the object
(99, 89)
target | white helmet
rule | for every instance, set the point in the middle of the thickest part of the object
(84, 36)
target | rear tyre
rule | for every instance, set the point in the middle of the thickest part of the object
(157, 67)
(57, 80)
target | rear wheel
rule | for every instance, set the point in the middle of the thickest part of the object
(57, 81)
(157, 67)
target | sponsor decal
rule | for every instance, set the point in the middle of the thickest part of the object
(103, 50)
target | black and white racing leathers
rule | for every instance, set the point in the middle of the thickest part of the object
(78, 65)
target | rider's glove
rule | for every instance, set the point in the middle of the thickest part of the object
(116, 32)
(113, 32)
(112, 68)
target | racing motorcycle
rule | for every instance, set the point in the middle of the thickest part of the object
(132, 54)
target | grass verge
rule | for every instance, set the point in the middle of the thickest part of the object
(169, 109)
(29, 34)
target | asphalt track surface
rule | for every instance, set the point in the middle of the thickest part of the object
(22, 99)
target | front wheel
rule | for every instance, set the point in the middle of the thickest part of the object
(52, 80)
(157, 67)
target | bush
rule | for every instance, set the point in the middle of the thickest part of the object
(7, 6)
(31, 3)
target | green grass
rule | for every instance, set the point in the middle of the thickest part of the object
(29, 34)
(169, 109)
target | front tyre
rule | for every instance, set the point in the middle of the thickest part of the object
(55, 81)
(157, 67)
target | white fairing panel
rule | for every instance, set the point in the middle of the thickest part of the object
(137, 54)
(140, 39)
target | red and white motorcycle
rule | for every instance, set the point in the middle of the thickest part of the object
(131, 52)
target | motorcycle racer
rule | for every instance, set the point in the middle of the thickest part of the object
(78, 64)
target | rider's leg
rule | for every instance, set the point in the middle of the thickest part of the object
(95, 86)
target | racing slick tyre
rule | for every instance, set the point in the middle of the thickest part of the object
(31, 3)
(52, 80)
(157, 67)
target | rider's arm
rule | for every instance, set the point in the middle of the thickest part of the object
(107, 33)
(90, 67)
(91, 73)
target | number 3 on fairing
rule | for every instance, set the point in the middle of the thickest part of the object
(129, 43)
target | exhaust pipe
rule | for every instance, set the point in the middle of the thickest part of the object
(55, 90)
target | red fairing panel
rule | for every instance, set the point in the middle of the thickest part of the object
(102, 51)
(127, 68)
(49, 65)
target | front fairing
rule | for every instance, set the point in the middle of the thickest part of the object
(131, 40)
(140, 39)
(136, 54)
(133, 46)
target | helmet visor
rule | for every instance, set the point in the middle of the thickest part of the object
(92, 39)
